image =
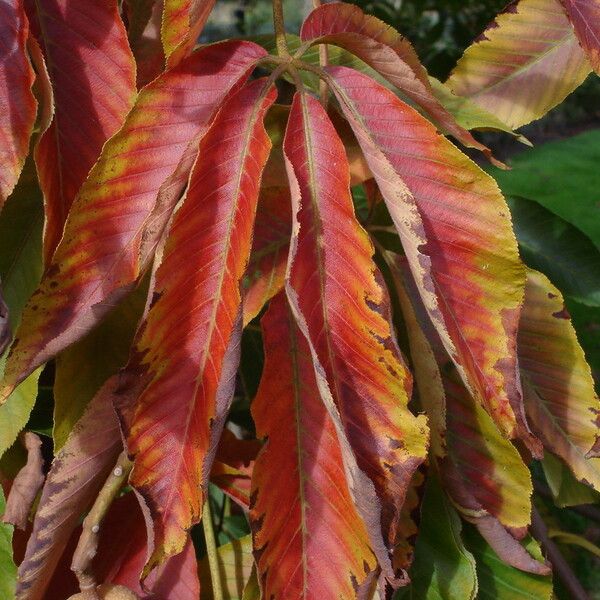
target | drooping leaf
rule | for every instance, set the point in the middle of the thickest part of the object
(17, 102)
(299, 483)
(337, 297)
(8, 569)
(235, 567)
(525, 63)
(76, 476)
(188, 347)
(555, 173)
(120, 213)
(385, 50)
(265, 274)
(122, 553)
(499, 581)
(585, 17)
(81, 369)
(182, 23)
(92, 72)
(559, 390)
(558, 249)
(26, 484)
(463, 253)
(443, 569)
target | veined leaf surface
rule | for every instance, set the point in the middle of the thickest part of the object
(559, 390)
(382, 48)
(298, 483)
(92, 73)
(120, 213)
(265, 275)
(585, 17)
(188, 347)
(182, 23)
(17, 103)
(456, 232)
(336, 294)
(527, 61)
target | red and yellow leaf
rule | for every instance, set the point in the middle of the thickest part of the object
(92, 73)
(526, 62)
(560, 400)
(116, 221)
(337, 295)
(457, 235)
(299, 483)
(265, 274)
(585, 17)
(188, 347)
(17, 104)
(182, 23)
(382, 48)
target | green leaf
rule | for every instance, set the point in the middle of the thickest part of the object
(566, 490)
(8, 569)
(563, 177)
(498, 581)
(553, 246)
(443, 568)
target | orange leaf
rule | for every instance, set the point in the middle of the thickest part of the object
(92, 73)
(337, 295)
(309, 540)
(526, 62)
(265, 274)
(116, 221)
(182, 23)
(17, 103)
(559, 390)
(382, 48)
(188, 347)
(585, 17)
(456, 232)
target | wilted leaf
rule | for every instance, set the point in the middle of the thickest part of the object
(187, 350)
(559, 390)
(585, 17)
(182, 23)
(235, 567)
(76, 476)
(17, 103)
(499, 581)
(8, 569)
(26, 484)
(463, 253)
(382, 48)
(120, 213)
(265, 274)
(337, 297)
(92, 73)
(558, 249)
(299, 483)
(525, 63)
(566, 490)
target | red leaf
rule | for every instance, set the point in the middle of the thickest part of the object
(463, 253)
(585, 17)
(309, 540)
(385, 50)
(92, 72)
(17, 103)
(120, 213)
(188, 348)
(337, 296)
